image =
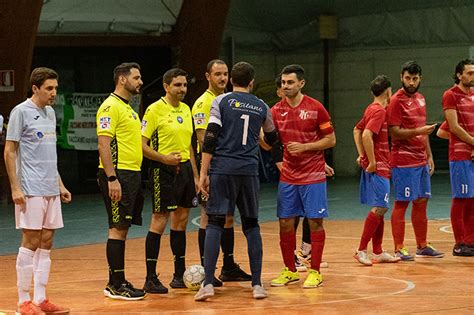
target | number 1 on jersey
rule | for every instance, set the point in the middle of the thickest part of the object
(246, 128)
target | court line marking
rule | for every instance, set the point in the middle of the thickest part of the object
(446, 229)
(409, 285)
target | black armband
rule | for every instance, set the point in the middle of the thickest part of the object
(210, 138)
(270, 137)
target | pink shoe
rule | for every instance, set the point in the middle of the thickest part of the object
(51, 308)
(28, 308)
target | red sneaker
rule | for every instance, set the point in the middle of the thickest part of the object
(51, 308)
(28, 308)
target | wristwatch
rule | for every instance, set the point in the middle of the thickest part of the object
(112, 178)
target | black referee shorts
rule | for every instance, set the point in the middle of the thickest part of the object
(172, 186)
(128, 210)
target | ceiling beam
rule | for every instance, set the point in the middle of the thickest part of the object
(94, 40)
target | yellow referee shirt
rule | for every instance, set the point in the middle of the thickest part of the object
(117, 119)
(202, 109)
(169, 128)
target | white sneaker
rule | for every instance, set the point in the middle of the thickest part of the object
(205, 292)
(259, 292)
(362, 257)
(384, 257)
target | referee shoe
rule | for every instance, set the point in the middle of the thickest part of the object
(153, 285)
(126, 292)
(234, 274)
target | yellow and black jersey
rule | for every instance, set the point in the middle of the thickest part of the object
(169, 128)
(118, 120)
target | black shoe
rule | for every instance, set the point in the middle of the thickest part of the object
(457, 250)
(234, 274)
(177, 282)
(463, 250)
(153, 285)
(216, 282)
(125, 292)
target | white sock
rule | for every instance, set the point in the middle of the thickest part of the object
(305, 248)
(24, 273)
(41, 274)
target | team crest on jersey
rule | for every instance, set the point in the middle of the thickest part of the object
(422, 102)
(40, 135)
(104, 123)
(179, 119)
(304, 114)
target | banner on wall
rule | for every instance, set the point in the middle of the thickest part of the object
(75, 115)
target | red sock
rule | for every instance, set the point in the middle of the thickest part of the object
(370, 225)
(398, 223)
(457, 209)
(378, 238)
(288, 246)
(317, 247)
(419, 220)
(468, 219)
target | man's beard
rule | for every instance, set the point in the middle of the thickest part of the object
(411, 90)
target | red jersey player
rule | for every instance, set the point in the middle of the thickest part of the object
(458, 106)
(371, 139)
(305, 131)
(411, 162)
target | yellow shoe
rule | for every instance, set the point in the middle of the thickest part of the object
(314, 279)
(286, 277)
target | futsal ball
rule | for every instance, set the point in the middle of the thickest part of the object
(193, 277)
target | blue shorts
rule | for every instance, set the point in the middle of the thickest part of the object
(411, 183)
(308, 201)
(462, 179)
(228, 191)
(374, 190)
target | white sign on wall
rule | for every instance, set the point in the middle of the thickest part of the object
(7, 82)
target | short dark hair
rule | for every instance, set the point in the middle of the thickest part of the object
(173, 73)
(460, 68)
(41, 74)
(212, 62)
(242, 74)
(278, 81)
(124, 69)
(412, 67)
(380, 84)
(296, 69)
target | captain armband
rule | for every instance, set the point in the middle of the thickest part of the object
(210, 138)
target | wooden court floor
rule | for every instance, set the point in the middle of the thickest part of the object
(444, 286)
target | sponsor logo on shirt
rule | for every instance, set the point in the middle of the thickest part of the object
(235, 103)
(36, 118)
(104, 123)
(284, 114)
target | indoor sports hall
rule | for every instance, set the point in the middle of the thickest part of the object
(342, 45)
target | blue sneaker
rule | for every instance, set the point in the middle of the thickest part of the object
(428, 252)
(404, 254)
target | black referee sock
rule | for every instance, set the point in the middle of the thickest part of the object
(178, 247)
(152, 250)
(306, 232)
(116, 259)
(201, 240)
(227, 244)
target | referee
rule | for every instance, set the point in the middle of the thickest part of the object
(167, 129)
(118, 131)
